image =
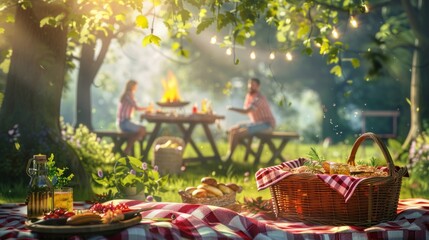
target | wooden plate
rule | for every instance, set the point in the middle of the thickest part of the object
(83, 229)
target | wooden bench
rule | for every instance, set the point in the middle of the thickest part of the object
(268, 139)
(394, 115)
(118, 139)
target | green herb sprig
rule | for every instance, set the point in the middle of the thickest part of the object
(316, 160)
(57, 175)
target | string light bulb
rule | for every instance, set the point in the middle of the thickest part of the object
(353, 22)
(289, 56)
(335, 33)
(253, 55)
(272, 56)
(228, 51)
(213, 40)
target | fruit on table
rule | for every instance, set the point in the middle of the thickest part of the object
(58, 213)
(103, 208)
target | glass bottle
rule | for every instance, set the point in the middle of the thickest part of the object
(204, 105)
(195, 108)
(40, 198)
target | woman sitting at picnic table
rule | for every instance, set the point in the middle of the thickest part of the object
(258, 109)
(127, 106)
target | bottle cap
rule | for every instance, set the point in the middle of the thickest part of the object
(40, 158)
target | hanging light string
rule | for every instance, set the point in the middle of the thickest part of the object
(288, 55)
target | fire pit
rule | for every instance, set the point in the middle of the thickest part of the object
(171, 97)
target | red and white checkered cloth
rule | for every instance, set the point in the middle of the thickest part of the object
(191, 221)
(343, 184)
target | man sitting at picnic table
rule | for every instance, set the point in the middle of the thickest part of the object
(261, 118)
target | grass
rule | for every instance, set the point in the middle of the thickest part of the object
(239, 172)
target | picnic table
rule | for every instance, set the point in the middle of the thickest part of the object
(192, 221)
(186, 124)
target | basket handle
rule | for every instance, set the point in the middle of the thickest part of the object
(360, 139)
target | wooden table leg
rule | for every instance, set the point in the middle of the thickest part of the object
(150, 141)
(247, 142)
(277, 151)
(212, 142)
(187, 133)
(259, 152)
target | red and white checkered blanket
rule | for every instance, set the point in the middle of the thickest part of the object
(343, 184)
(192, 221)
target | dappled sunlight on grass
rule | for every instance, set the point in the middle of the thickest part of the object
(239, 172)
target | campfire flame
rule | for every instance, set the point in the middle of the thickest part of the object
(171, 89)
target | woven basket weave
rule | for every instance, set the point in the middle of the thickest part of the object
(168, 160)
(222, 201)
(304, 197)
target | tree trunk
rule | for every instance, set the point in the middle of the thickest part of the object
(419, 68)
(84, 81)
(33, 94)
(415, 127)
(89, 66)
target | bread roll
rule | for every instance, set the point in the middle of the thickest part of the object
(209, 180)
(84, 218)
(234, 187)
(211, 189)
(224, 188)
(190, 190)
(199, 193)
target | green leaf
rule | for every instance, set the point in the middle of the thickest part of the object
(303, 30)
(45, 21)
(205, 23)
(324, 48)
(141, 21)
(355, 62)
(151, 39)
(135, 162)
(281, 37)
(337, 71)
(184, 53)
(408, 101)
(308, 51)
(185, 14)
(73, 34)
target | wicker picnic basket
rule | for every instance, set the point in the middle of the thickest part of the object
(304, 197)
(222, 201)
(168, 159)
